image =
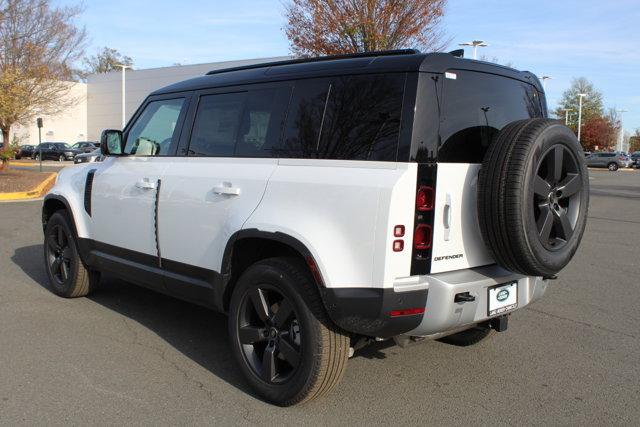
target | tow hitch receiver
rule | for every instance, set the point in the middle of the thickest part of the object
(499, 323)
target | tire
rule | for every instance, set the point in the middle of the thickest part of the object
(532, 214)
(320, 349)
(61, 158)
(469, 337)
(612, 166)
(67, 274)
(37, 157)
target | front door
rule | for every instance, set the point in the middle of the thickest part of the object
(125, 188)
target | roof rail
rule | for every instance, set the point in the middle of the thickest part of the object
(318, 59)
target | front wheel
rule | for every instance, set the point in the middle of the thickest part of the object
(612, 167)
(287, 348)
(61, 158)
(37, 157)
(68, 276)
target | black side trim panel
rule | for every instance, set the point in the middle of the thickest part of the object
(187, 282)
(88, 187)
(366, 311)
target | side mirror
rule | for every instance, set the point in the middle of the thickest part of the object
(111, 142)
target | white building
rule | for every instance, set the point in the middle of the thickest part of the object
(68, 126)
(99, 103)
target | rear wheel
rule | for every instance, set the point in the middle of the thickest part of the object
(68, 277)
(612, 166)
(287, 348)
(61, 158)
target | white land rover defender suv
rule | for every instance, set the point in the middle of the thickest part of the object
(327, 202)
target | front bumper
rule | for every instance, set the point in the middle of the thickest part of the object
(443, 315)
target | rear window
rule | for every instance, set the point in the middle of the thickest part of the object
(345, 118)
(476, 107)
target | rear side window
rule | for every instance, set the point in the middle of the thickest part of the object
(345, 118)
(242, 124)
(476, 107)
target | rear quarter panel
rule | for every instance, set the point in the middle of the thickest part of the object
(344, 213)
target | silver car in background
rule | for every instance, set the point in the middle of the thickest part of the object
(93, 156)
(612, 161)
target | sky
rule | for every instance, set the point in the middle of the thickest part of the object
(560, 38)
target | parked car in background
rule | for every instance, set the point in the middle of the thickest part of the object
(26, 151)
(635, 158)
(612, 161)
(93, 156)
(60, 151)
(85, 146)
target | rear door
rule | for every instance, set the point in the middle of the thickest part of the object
(475, 107)
(226, 159)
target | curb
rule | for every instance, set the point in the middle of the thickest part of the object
(607, 170)
(39, 191)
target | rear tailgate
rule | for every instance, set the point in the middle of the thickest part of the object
(457, 242)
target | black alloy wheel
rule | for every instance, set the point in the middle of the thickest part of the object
(269, 334)
(59, 254)
(557, 187)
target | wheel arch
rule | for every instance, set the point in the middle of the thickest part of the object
(54, 203)
(249, 246)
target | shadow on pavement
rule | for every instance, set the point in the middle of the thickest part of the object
(195, 331)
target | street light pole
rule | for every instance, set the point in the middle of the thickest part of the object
(621, 137)
(475, 44)
(580, 95)
(124, 115)
(544, 82)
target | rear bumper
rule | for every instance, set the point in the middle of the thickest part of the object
(443, 315)
(367, 311)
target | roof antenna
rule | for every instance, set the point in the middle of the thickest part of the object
(458, 53)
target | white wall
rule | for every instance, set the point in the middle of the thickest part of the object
(68, 126)
(104, 95)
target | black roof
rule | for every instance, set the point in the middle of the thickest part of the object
(362, 63)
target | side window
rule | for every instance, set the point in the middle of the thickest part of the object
(302, 134)
(362, 118)
(243, 124)
(154, 131)
(216, 125)
(262, 122)
(345, 118)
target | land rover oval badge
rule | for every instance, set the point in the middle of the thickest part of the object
(502, 295)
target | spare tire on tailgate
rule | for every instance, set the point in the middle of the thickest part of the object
(533, 197)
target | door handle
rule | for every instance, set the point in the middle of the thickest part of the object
(145, 184)
(447, 218)
(226, 188)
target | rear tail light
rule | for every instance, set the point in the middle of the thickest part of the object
(422, 237)
(425, 198)
(406, 312)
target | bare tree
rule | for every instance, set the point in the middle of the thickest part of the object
(329, 27)
(38, 46)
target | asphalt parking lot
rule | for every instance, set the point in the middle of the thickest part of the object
(128, 355)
